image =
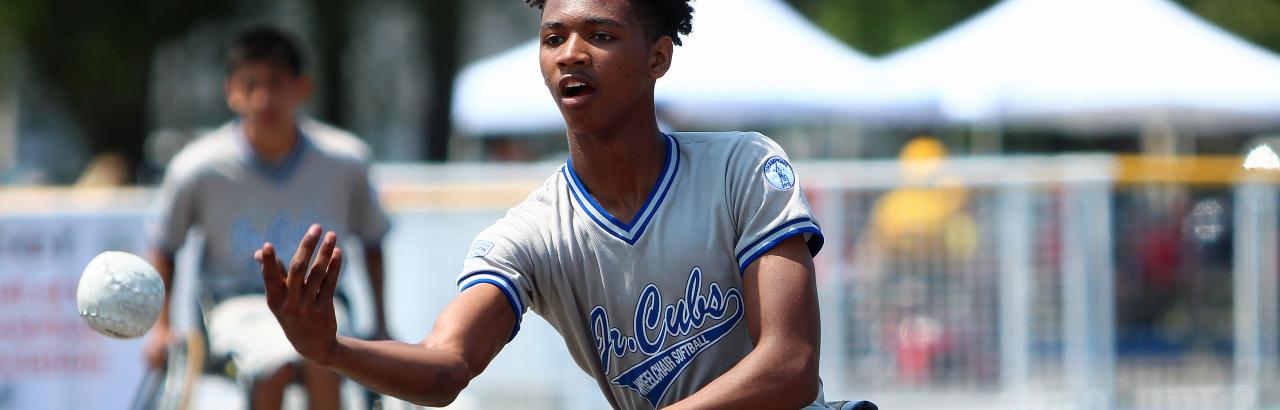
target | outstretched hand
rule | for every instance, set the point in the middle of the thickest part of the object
(302, 297)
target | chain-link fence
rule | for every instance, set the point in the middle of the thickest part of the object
(1053, 282)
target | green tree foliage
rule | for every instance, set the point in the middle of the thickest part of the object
(95, 54)
(333, 42)
(878, 27)
(441, 19)
(1257, 21)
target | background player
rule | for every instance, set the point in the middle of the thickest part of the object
(677, 267)
(263, 177)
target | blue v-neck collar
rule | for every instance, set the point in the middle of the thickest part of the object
(277, 173)
(628, 232)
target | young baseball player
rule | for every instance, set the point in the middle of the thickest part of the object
(677, 266)
(265, 176)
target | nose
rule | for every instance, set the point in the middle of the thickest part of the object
(261, 97)
(573, 52)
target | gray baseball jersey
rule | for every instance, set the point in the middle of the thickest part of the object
(652, 308)
(219, 185)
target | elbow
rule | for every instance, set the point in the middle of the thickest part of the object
(806, 388)
(435, 401)
(800, 386)
(447, 386)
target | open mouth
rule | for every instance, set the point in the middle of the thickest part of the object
(576, 88)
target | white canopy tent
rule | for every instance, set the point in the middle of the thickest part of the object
(1083, 64)
(746, 61)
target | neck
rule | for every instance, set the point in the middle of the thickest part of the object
(271, 143)
(621, 167)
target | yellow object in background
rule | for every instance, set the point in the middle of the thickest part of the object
(928, 210)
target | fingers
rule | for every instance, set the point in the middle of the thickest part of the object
(272, 273)
(301, 258)
(283, 294)
(331, 278)
(320, 268)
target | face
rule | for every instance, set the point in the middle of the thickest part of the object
(266, 95)
(598, 63)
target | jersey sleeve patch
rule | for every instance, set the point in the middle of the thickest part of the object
(777, 171)
(479, 248)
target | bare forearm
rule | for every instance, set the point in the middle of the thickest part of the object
(418, 374)
(163, 262)
(774, 376)
(373, 264)
(781, 372)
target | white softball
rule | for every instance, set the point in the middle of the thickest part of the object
(120, 295)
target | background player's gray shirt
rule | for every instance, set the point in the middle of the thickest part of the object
(220, 186)
(652, 308)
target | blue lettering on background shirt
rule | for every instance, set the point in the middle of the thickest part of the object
(654, 322)
(282, 229)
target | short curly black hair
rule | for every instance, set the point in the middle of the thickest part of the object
(659, 17)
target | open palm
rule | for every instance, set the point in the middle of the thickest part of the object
(302, 297)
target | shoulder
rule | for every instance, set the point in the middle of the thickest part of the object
(205, 154)
(528, 222)
(334, 142)
(736, 153)
(539, 209)
(730, 143)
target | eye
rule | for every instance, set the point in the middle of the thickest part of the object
(601, 36)
(553, 40)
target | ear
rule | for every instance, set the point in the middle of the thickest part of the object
(660, 57)
(303, 87)
(233, 102)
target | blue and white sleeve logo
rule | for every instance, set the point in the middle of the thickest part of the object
(779, 174)
(479, 249)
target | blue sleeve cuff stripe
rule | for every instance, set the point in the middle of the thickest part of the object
(510, 300)
(766, 236)
(498, 280)
(814, 242)
(504, 285)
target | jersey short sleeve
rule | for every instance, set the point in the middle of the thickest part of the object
(365, 216)
(173, 211)
(768, 206)
(501, 256)
(368, 220)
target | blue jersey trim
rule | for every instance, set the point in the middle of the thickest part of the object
(591, 215)
(505, 284)
(507, 291)
(661, 198)
(274, 173)
(628, 232)
(814, 243)
(577, 183)
(776, 229)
